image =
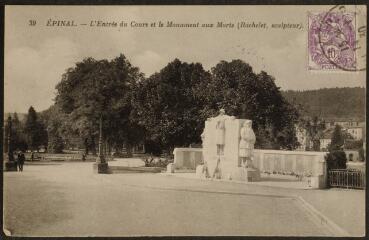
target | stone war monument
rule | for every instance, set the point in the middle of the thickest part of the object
(228, 145)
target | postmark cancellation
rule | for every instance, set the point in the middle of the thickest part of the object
(331, 41)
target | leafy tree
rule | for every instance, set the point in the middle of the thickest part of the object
(18, 136)
(168, 105)
(55, 144)
(314, 129)
(242, 93)
(336, 158)
(337, 138)
(59, 125)
(93, 89)
(35, 130)
(153, 148)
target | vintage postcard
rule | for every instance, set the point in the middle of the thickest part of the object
(184, 120)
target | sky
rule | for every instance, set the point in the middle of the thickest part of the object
(37, 56)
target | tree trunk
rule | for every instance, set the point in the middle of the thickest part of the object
(86, 146)
(129, 149)
(109, 149)
(106, 149)
(93, 146)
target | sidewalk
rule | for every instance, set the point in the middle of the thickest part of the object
(62, 197)
(342, 207)
(345, 207)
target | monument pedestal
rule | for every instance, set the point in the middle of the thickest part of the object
(170, 168)
(11, 166)
(246, 174)
(101, 167)
(199, 171)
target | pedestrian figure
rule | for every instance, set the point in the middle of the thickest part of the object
(21, 159)
(16, 159)
(32, 156)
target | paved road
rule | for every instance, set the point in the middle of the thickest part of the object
(67, 199)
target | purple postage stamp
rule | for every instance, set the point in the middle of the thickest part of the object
(331, 41)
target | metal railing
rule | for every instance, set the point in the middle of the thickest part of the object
(347, 178)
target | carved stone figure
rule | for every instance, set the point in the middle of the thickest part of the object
(203, 136)
(220, 133)
(247, 142)
(217, 171)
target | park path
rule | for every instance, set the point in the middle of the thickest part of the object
(67, 199)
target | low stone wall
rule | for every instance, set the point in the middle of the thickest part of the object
(356, 165)
(307, 164)
(304, 164)
(285, 162)
(187, 158)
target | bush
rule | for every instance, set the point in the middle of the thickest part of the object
(336, 159)
(153, 148)
(156, 162)
(361, 154)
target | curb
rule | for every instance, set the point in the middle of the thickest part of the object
(7, 232)
(196, 190)
(234, 181)
(124, 169)
(320, 217)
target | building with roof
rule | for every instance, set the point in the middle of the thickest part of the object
(344, 122)
(356, 132)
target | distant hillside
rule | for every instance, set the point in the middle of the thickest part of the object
(330, 102)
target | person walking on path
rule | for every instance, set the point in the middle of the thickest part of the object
(17, 159)
(21, 159)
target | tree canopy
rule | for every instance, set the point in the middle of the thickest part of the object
(35, 130)
(337, 138)
(17, 136)
(168, 106)
(242, 93)
(99, 88)
(168, 109)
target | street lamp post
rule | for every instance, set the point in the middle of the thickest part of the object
(10, 163)
(101, 166)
